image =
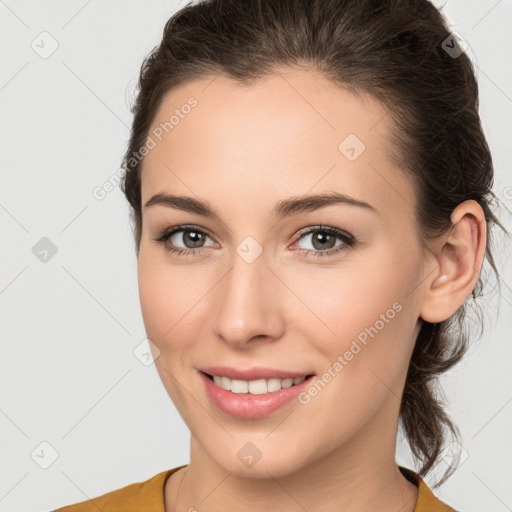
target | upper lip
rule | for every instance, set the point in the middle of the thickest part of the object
(253, 373)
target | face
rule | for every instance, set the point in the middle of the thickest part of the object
(329, 289)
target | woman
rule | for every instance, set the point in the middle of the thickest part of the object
(311, 195)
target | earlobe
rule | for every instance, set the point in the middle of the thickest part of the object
(458, 256)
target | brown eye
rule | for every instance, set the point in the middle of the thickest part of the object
(324, 239)
(191, 238)
(184, 239)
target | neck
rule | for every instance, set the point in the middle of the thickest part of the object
(360, 475)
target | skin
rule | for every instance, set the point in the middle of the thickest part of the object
(243, 149)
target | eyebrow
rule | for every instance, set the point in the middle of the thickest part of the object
(284, 208)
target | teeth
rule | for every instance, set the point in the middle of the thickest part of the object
(255, 387)
(239, 386)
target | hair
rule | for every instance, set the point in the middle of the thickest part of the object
(392, 50)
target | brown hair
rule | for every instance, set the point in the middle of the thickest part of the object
(394, 50)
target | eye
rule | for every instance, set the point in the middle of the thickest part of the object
(324, 241)
(192, 238)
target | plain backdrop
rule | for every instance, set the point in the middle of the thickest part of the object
(80, 413)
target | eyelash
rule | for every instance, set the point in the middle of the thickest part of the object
(347, 239)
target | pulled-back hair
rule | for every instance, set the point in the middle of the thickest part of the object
(394, 50)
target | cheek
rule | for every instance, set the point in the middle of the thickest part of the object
(345, 302)
(365, 360)
(154, 294)
(165, 297)
(366, 317)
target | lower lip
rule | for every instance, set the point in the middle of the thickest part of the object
(248, 406)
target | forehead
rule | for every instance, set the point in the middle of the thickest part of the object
(288, 134)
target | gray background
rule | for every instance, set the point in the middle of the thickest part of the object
(70, 324)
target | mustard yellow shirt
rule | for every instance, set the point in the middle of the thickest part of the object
(148, 496)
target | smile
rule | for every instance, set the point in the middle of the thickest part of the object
(256, 387)
(254, 398)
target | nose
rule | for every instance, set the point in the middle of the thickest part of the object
(248, 305)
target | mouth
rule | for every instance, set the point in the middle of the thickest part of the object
(253, 399)
(257, 386)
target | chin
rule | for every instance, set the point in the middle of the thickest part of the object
(263, 468)
(248, 459)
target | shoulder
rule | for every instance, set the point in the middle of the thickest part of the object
(147, 495)
(427, 501)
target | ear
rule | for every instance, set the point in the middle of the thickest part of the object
(458, 257)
